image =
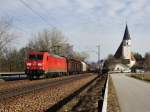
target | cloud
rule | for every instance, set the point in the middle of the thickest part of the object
(91, 20)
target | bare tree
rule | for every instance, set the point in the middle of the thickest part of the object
(147, 61)
(81, 55)
(109, 62)
(67, 50)
(55, 42)
(40, 41)
(6, 35)
(52, 41)
(139, 60)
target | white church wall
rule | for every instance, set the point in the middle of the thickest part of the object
(121, 68)
(126, 52)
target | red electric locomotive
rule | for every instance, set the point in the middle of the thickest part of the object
(40, 63)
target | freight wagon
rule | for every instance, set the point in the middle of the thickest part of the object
(45, 64)
(84, 66)
(74, 66)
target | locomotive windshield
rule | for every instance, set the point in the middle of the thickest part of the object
(35, 57)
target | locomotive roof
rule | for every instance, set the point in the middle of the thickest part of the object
(57, 56)
(34, 52)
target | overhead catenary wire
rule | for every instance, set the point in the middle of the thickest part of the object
(35, 12)
(45, 10)
(12, 18)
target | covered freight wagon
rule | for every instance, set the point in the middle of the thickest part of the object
(84, 66)
(74, 66)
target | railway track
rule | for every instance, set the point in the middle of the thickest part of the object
(12, 93)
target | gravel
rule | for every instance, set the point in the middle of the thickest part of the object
(20, 83)
(42, 100)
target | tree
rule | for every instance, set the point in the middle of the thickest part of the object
(81, 55)
(51, 41)
(39, 42)
(13, 60)
(147, 61)
(139, 60)
(138, 56)
(109, 62)
(6, 35)
(54, 42)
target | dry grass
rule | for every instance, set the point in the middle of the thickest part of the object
(113, 104)
(142, 76)
(87, 100)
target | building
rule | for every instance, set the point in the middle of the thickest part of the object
(124, 52)
(119, 67)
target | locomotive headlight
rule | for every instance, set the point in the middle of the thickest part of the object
(40, 64)
(28, 64)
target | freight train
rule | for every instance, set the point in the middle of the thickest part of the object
(45, 64)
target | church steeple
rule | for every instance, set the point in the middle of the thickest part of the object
(124, 52)
(126, 43)
(126, 34)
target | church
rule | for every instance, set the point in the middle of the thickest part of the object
(124, 54)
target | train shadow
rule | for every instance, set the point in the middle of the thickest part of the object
(56, 107)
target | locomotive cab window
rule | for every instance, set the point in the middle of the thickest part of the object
(35, 57)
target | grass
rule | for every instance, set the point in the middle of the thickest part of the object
(141, 76)
(68, 106)
(113, 104)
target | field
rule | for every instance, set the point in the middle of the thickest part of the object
(141, 76)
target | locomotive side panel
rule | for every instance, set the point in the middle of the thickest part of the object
(41, 63)
(57, 64)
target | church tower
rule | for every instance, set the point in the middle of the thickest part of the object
(124, 53)
(126, 50)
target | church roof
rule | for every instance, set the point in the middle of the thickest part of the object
(126, 34)
(118, 53)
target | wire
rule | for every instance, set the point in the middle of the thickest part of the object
(35, 12)
(45, 10)
(11, 19)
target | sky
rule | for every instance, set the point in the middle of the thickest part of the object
(85, 23)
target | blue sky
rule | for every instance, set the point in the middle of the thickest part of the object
(86, 23)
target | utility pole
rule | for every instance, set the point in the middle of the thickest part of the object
(98, 46)
(99, 67)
